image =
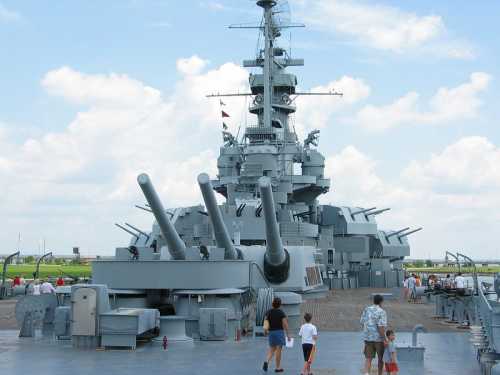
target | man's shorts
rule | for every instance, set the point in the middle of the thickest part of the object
(372, 347)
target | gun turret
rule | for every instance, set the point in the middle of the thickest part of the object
(397, 233)
(276, 259)
(176, 246)
(378, 212)
(221, 234)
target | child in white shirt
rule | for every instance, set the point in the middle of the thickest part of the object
(309, 334)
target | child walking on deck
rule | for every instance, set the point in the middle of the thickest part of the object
(390, 358)
(309, 334)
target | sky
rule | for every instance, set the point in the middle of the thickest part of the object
(94, 93)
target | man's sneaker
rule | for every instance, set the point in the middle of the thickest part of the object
(264, 366)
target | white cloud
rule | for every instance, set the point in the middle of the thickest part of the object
(191, 65)
(383, 27)
(362, 183)
(469, 165)
(315, 111)
(84, 177)
(447, 105)
(214, 5)
(112, 89)
(454, 195)
(7, 15)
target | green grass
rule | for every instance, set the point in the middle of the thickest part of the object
(492, 270)
(26, 270)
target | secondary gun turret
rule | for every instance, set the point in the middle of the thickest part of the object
(176, 246)
(220, 231)
(276, 258)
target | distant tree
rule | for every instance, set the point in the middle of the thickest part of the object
(59, 261)
(428, 263)
(30, 259)
(419, 264)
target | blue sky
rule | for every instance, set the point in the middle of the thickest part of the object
(87, 86)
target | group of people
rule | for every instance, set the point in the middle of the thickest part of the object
(459, 283)
(43, 287)
(37, 287)
(413, 281)
(276, 327)
(378, 340)
(410, 285)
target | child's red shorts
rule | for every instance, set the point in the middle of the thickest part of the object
(391, 367)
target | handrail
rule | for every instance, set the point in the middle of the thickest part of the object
(261, 274)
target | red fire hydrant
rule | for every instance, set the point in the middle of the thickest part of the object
(165, 342)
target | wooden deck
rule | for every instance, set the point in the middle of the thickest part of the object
(341, 310)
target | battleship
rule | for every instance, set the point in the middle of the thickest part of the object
(200, 281)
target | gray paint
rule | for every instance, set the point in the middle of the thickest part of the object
(175, 245)
(220, 231)
(275, 252)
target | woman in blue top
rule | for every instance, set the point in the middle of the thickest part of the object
(278, 326)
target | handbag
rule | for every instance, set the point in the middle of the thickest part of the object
(266, 325)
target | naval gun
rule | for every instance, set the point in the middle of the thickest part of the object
(176, 247)
(276, 258)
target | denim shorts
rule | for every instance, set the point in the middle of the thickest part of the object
(277, 338)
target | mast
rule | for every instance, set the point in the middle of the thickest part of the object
(268, 58)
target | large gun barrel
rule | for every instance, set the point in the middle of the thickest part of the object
(176, 246)
(362, 211)
(221, 234)
(398, 232)
(410, 232)
(377, 212)
(276, 259)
